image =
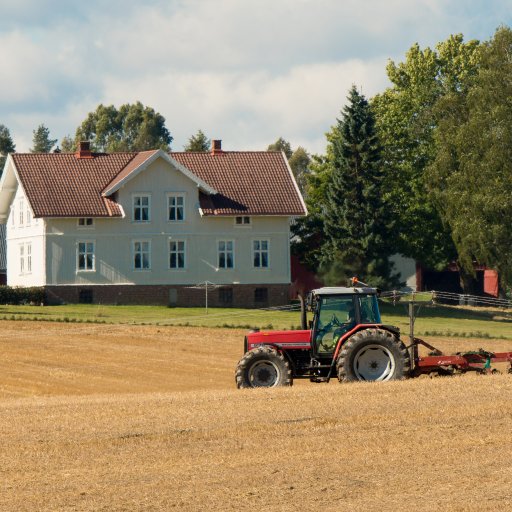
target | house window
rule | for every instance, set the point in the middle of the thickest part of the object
(261, 295)
(28, 247)
(225, 254)
(242, 221)
(22, 211)
(141, 208)
(85, 256)
(141, 255)
(176, 254)
(29, 216)
(226, 295)
(260, 253)
(22, 258)
(85, 296)
(85, 222)
(176, 207)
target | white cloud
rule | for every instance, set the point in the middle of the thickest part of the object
(244, 71)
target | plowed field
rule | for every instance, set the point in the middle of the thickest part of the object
(114, 418)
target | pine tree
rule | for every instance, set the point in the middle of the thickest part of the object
(198, 142)
(41, 140)
(6, 145)
(356, 217)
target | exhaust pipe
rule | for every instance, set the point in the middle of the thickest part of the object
(303, 313)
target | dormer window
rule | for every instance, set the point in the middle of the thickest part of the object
(141, 208)
(176, 207)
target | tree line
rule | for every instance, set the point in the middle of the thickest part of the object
(422, 169)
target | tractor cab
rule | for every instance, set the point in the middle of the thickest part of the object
(337, 311)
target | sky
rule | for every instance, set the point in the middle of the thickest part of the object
(243, 71)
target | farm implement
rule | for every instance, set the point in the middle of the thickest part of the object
(347, 339)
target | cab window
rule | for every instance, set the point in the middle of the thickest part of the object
(369, 309)
(336, 315)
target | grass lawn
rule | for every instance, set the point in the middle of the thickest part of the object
(462, 322)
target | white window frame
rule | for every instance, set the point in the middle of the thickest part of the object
(177, 251)
(22, 258)
(145, 248)
(29, 257)
(176, 207)
(86, 253)
(28, 218)
(85, 223)
(223, 251)
(135, 197)
(22, 211)
(258, 252)
(242, 221)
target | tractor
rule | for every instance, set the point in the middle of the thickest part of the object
(347, 339)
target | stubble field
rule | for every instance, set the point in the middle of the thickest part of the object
(111, 418)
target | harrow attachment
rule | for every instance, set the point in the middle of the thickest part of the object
(479, 361)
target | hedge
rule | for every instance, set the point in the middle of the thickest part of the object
(21, 295)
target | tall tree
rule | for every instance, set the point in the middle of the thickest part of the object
(281, 145)
(299, 164)
(471, 176)
(131, 128)
(41, 140)
(198, 142)
(406, 125)
(356, 217)
(6, 145)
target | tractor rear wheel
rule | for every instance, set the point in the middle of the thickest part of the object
(373, 355)
(263, 367)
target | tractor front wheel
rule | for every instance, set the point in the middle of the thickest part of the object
(263, 367)
(373, 355)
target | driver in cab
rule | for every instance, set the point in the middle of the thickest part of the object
(332, 325)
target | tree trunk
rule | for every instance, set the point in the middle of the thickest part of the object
(468, 282)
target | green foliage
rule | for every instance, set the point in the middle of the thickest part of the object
(67, 145)
(21, 295)
(406, 124)
(357, 223)
(198, 142)
(6, 145)
(281, 145)
(41, 140)
(131, 128)
(299, 164)
(471, 175)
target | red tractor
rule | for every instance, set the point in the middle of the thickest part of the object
(347, 339)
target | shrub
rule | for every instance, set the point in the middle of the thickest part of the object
(21, 295)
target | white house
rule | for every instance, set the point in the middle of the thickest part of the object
(146, 227)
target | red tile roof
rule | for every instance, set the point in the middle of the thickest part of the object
(247, 183)
(61, 185)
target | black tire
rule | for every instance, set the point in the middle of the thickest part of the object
(263, 367)
(373, 355)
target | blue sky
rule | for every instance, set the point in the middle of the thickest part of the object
(244, 71)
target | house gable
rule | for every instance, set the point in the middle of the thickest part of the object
(142, 161)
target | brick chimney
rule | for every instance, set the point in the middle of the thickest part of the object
(216, 147)
(84, 150)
